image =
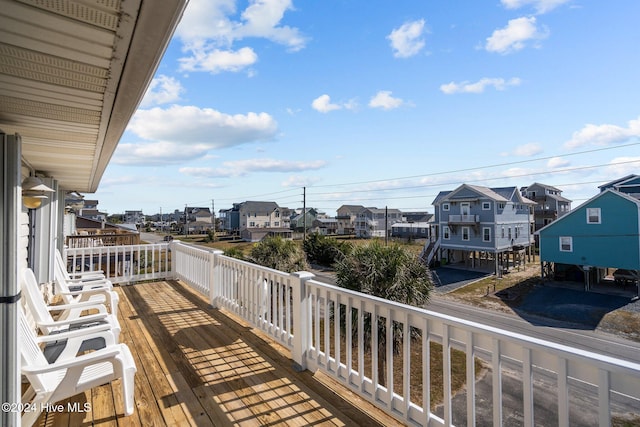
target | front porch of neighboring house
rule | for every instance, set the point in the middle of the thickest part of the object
(220, 341)
(593, 279)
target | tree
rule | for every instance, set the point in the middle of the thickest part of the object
(390, 272)
(280, 254)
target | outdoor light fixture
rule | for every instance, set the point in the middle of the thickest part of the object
(33, 192)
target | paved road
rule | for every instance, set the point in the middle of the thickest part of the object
(546, 329)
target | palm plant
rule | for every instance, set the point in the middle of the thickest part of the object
(390, 272)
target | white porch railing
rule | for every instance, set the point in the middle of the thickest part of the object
(123, 264)
(325, 327)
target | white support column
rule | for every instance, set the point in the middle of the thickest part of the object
(10, 208)
(301, 320)
(214, 277)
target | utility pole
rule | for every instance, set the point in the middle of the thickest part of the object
(186, 221)
(304, 213)
(386, 226)
(213, 219)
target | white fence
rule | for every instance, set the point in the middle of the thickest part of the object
(350, 336)
(123, 264)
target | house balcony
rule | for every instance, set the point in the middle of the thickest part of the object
(219, 341)
(464, 219)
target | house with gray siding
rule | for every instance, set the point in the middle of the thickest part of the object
(550, 206)
(479, 224)
(254, 220)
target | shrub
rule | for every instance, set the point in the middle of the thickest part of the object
(325, 250)
(280, 254)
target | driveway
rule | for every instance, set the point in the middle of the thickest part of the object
(448, 279)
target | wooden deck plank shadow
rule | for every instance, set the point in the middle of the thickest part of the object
(200, 366)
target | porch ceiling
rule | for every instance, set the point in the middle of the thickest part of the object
(72, 73)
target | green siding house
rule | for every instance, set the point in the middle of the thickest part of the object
(600, 234)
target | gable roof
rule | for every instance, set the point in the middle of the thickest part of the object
(618, 182)
(498, 194)
(576, 210)
(259, 207)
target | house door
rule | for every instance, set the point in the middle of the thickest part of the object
(465, 209)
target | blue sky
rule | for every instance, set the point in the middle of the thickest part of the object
(382, 103)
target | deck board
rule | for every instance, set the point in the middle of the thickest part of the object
(200, 366)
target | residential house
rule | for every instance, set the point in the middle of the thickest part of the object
(253, 220)
(134, 217)
(325, 226)
(417, 217)
(374, 222)
(411, 230)
(550, 206)
(629, 184)
(599, 235)
(480, 223)
(346, 217)
(299, 220)
(197, 219)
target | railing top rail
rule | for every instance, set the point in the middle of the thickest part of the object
(524, 340)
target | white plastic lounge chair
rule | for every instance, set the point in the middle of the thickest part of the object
(50, 383)
(94, 291)
(70, 314)
(79, 277)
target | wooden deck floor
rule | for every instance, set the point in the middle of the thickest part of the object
(199, 366)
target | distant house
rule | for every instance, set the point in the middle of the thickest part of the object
(374, 222)
(411, 230)
(325, 226)
(134, 217)
(600, 234)
(480, 223)
(298, 220)
(253, 220)
(346, 218)
(629, 184)
(550, 203)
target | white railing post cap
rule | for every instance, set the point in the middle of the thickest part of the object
(303, 274)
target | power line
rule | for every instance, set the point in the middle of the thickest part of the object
(481, 167)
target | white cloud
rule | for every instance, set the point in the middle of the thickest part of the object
(194, 125)
(216, 60)
(323, 104)
(515, 35)
(623, 166)
(558, 162)
(479, 86)
(527, 150)
(407, 40)
(181, 133)
(300, 181)
(157, 153)
(541, 6)
(603, 135)
(208, 32)
(162, 90)
(244, 167)
(384, 100)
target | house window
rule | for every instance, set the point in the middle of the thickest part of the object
(276, 224)
(502, 232)
(486, 234)
(252, 224)
(500, 205)
(445, 232)
(593, 216)
(465, 233)
(445, 206)
(486, 206)
(566, 244)
(509, 232)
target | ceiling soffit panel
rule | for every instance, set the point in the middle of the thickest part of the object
(72, 73)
